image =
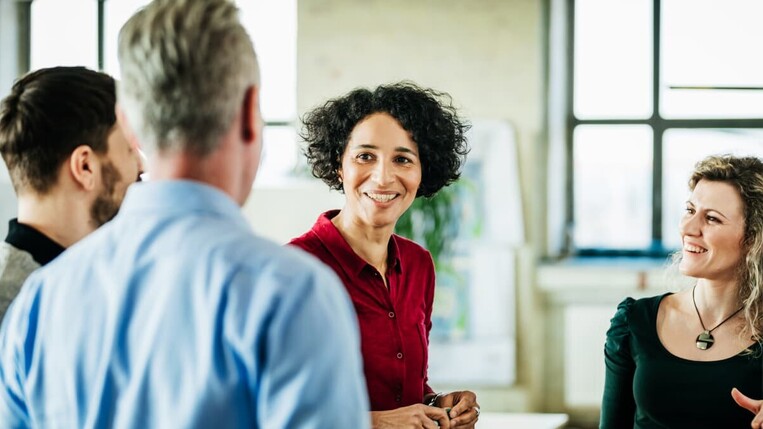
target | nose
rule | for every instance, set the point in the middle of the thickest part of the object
(383, 173)
(689, 225)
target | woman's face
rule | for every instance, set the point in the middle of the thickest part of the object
(381, 171)
(712, 230)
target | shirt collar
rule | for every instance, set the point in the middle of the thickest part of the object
(168, 197)
(32, 241)
(330, 236)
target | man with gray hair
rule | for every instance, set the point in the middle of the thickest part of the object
(175, 314)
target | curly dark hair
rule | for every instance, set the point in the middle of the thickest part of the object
(428, 115)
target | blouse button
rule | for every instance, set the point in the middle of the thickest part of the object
(391, 314)
(398, 398)
(399, 355)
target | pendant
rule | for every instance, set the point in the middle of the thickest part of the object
(705, 340)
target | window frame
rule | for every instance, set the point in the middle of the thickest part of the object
(98, 29)
(25, 45)
(658, 124)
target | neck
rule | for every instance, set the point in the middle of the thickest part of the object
(63, 217)
(218, 168)
(716, 300)
(367, 242)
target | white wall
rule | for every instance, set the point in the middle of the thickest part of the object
(289, 211)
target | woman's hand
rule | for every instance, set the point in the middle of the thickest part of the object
(411, 417)
(464, 409)
(752, 405)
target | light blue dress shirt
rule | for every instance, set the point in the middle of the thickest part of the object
(175, 315)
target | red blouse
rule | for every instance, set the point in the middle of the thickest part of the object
(395, 322)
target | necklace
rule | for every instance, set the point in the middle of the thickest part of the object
(705, 340)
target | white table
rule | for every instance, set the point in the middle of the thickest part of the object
(521, 421)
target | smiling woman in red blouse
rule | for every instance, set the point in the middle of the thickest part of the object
(382, 149)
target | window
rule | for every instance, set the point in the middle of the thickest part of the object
(649, 92)
(92, 42)
(76, 24)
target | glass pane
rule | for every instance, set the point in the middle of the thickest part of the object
(682, 149)
(708, 44)
(272, 25)
(64, 33)
(612, 186)
(273, 29)
(116, 13)
(613, 59)
(280, 156)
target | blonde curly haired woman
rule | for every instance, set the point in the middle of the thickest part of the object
(672, 361)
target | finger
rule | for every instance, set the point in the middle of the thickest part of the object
(441, 423)
(464, 404)
(465, 419)
(757, 422)
(429, 424)
(438, 415)
(743, 401)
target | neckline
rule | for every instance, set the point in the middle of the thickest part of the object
(24, 237)
(667, 352)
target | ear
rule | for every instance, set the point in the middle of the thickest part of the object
(126, 129)
(250, 112)
(84, 166)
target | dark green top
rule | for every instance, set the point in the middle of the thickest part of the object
(648, 387)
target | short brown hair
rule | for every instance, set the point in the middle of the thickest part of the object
(48, 114)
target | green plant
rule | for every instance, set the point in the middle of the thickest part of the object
(433, 222)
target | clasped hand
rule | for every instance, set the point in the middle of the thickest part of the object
(463, 414)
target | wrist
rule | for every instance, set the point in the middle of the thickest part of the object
(432, 399)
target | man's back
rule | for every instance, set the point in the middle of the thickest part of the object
(176, 315)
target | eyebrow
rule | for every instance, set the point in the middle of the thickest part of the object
(397, 149)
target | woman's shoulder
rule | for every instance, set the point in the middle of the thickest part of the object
(311, 240)
(632, 311)
(410, 249)
(305, 241)
(649, 304)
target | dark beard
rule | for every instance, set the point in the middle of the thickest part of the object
(106, 204)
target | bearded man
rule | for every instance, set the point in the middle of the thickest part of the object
(69, 162)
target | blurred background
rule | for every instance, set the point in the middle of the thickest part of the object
(588, 117)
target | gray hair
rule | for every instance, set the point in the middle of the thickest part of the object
(185, 66)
